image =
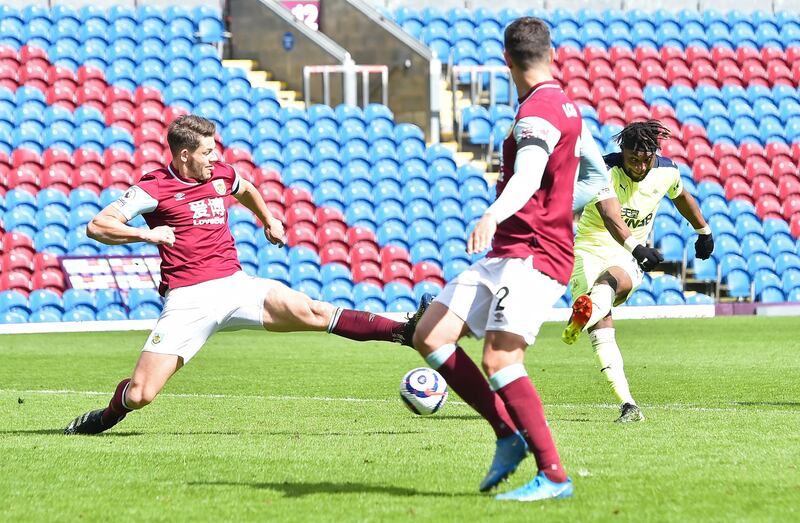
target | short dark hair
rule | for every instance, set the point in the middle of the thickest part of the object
(527, 41)
(642, 136)
(185, 132)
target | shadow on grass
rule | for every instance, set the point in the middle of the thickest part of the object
(60, 432)
(298, 489)
(793, 404)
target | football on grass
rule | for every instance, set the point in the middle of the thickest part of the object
(423, 391)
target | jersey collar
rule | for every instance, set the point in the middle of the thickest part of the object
(179, 178)
(547, 84)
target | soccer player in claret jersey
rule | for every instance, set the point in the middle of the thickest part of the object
(607, 271)
(184, 205)
(504, 297)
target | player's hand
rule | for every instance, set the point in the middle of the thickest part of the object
(647, 257)
(481, 238)
(274, 232)
(161, 235)
(704, 246)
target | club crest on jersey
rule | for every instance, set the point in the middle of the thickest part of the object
(219, 186)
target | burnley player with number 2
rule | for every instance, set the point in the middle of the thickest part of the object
(205, 290)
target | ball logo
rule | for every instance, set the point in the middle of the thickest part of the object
(422, 380)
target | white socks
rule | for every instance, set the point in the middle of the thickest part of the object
(607, 351)
(602, 296)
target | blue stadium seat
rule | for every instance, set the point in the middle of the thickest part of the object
(393, 291)
(785, 261)
(699, 299)
(671, 247)
(14, 301)
(771, 295)
(664, 283)
(670, 297)
(738, 282)
(641, 298)
(146, 311)
(704, 269)
(139, 297)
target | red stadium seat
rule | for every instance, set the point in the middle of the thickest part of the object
(697, 149)
(608, 112)
(727, 70)
(396, 270)
(334, 252)
(17, 281)
(567, 51)
(277, 210)
(631, 92)
(669, 52)
(148, 153)
(331, 215)
(61, 95)
(774, 149)
(90, 95)
(755, 74)
(19, 261)
(579, 93)
(630, 81)
(695, 53)
(662, 111)
(48, 279)
(625, 69)
(653, 73)
(768, 204)
(364, 251)
(22, 156)
(331, 232)
(788, 185)
(300, 211)
(355, 234)
(693, 132)
(300, 230)
(59, 72)
(730, 166)
(704, 167)
(782, 166)
(779, 72)
(145, 134)
(794, 225)
(755, 166)
(28, 53)
(24, 177)
(147, 113)
(271, 191)
(117, 177)
(170, 113)
(703, 70)
(643, 53)
(114, 156)
(8, 52)
(45, 260)
(427, 271)
(144, 93)
(119, 95)
(736, 186)
(292, 195)
(117, 114)
(748, 149)
(600, 69)
(30, 72)
(745, 53)
(368, 272)
(722, 53)
(266, 174)
(86, 73)
(763, 185)
(791, 206)
(82, 156)
(592, 54)
(14, 241)
(635, 110)
(602, 92)
(616, 53)
(89, 176)
(391, 253)
(56, 155)
(574, 70)
(720, 150)
(57, 176)
(678, 73)
(674, 150)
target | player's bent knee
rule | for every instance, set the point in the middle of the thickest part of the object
(139, 396)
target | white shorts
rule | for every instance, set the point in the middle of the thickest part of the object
(502, 294)
(589, 267)
(192, 314)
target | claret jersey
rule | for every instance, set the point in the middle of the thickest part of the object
(204, 248)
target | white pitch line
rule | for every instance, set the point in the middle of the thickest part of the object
(667, 406)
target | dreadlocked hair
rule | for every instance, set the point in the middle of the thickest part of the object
(642, 136)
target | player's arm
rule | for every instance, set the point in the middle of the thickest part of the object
(687, 206)
(593, 175)
(247, 194)
(110, 226)
(536, 138)
(610, 212)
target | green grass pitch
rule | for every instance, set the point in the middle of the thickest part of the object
(274, 427)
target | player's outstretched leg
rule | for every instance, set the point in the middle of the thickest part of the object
(581, 311)
(611, 365)
(406, 337)
(97, 421)
(538, 489)
(509, 452)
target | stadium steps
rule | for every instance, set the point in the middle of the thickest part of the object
(263, 78)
